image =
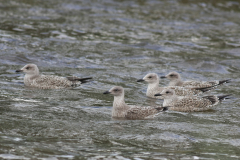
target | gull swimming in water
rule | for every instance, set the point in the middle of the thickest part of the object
(175, 80)
(153, 87)
(189, 103)
(32, 78)
(122, 110)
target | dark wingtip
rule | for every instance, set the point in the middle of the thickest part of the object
(82, 80)
(88, 78)
(223, 97)
(163, 77)
(224, 81)
(106, 92)
(158, 94)
(205, 89)
(140, 80)
(85, 80)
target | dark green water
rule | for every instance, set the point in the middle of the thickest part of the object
(116, 42)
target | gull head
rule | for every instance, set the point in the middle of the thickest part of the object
(115, 91)
(30, 69)
(172, 76)
(166, 93)
(150, 78)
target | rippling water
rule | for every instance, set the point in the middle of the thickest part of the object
(116, 42)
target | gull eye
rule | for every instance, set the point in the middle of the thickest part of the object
(150, 77)
(167, 92)
(27, 67)
(115, 90)
(171, 75)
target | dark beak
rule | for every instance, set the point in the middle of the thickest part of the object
(158, 94)
(107, 92)
(140, 80)
(19, 70)
(163, 77)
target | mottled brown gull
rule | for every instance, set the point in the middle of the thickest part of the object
(175, 80)
(33, 78)
(122, 110)
(153, 87)
(189, 103)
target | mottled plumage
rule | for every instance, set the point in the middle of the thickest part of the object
(153, 87)
(122, 110)
(34, 79)
(189, 103)
(175, 80)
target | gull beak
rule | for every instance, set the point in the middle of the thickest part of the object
(19, 70)
(140, 80)
(107, 92)
(158, 94)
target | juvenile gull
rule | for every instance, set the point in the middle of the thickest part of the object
(189, 103)
(122, 110)
(34, 79)
(175, 80)
(153, 87)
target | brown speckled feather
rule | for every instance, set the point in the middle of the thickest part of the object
(180, 91)
(51, 82)
(199, 84)
(189, 103)
(137, 112)
(175, 80)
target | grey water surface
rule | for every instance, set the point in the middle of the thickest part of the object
(117, 42)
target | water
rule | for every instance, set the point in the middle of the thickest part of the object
(116, 42)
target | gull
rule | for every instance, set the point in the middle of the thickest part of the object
(189, 103)
(122, 110)
(175, 80)
(32, 78)
(153, 87)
